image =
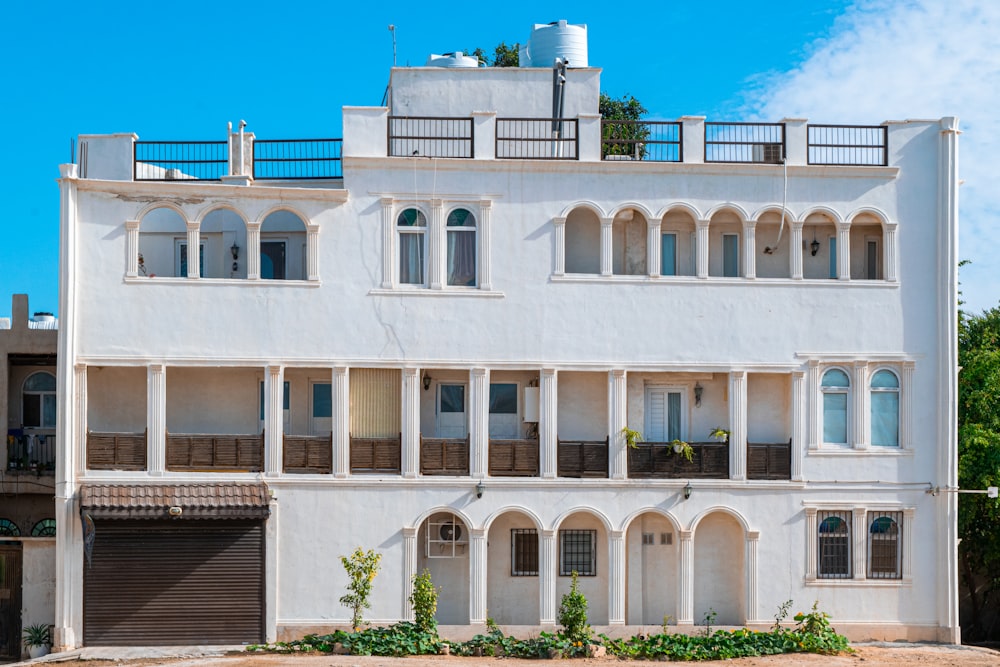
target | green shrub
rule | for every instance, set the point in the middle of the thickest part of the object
(573, 614)
(361, 566)
(424, 601)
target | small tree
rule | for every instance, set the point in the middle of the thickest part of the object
(361, 567)
(503, 55)
(573, 614)
(424, 601)
(626, 136)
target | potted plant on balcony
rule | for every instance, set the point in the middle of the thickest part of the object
(682, 448)
(37, 640)
(720, 434)
(632, 437)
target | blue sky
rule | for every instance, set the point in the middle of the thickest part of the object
(182, 70)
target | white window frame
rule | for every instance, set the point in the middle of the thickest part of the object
(859, 544)
(41, 401)
(273, 237)
(424, 232)
(898, 390)
(461, 230)
(668, 389)
(849, 415)
(878, 273)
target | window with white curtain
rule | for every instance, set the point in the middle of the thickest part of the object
(412, 228)
(885, 409)
(38, 401)
(461, 248)
(836, 387)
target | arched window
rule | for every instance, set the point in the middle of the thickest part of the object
(38, 401)
(412, 228)
(44, 528)
(885, 409)
(834, 545)
(884, 546)
(9, 529)
(836, 387)
(462, 248)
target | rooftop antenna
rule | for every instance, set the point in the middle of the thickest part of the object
(385, 96)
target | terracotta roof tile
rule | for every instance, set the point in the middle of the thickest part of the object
(196, 501)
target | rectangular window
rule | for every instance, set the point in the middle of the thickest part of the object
(872, 259)
(648, 539)
(376, 402)
(833, 257)
(578, 553)
(504, 422)
(885, 552)
(452, 398)
(730, 255)
(663, 415)
(523, 552)
(835, 418)
(411, 258)
(272, 260)
(834, 545)
(668, 249)
(322, 408)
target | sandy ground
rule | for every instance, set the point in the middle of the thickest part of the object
(895, 655)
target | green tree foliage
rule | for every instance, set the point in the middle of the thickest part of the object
(424, 602)
(573, 614)
(979, 466)
(624, 135)
(503, 55)
(361, 567)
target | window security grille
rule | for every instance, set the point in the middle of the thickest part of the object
(578, 552)
(666, 538)
(834, 548)
(885, 547)
(648, 539)
(523, 552)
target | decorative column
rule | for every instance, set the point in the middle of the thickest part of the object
(812, 401)
(685, 612)
(617, 421)
(253, 251)
(548, 425)
(859, 534)
(751, 572)
(193, 250)
(79, 428)
(477, 576)
(312, 252)
(701, 247)
(889, 273)
(559, 231)
(409, 569)
(547, 571)
(811, 536)
(906, 406)
(156, 419)
(411, 422)
(859, 392)
(274, 419)
(737, 425)
(607, 243)
(341, 435)
(798, 423)
(616, 577)
(907, 563)
(388, 243)
(654, 252)
(843, 251)
(749, 249)
(435, 243)
(795, 256)
(479, 422)
(131, 248)
(483, 238)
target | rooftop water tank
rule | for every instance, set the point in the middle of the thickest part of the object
(456, 59)
(549, 41)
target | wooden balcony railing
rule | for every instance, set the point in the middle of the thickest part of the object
(212, 452)
(308, 453)
(658, 460)
(381, 455)
(116, 451)
(444, 456)
(769, 461)
(583, 458)
(513, 458)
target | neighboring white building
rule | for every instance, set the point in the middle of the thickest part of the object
(434, 353)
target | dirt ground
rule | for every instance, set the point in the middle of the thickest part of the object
(924, 655)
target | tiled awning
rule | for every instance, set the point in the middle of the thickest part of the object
(175, 501)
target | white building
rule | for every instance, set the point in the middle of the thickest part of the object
(434, 352)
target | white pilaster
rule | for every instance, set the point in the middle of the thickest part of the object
(485, 215)
(861, 416)
(906, 545)
(547, 572)
(477, 576)
(479, 422)
(616, 577)
(548, 425)
(607, 243)
(156, 418)
(409, 570)
(253, 251)
(812, 528)
(843, 251)
(559, 231)
(749, 249)
(812, 400)
(274, 419)
(341, 397)
(685, 611)
(617, 421)
(411, 422)
(889, 252)
(653, 248)
(701, 247)
(798, 422)
(193, 250)
(859, 535)
(312, 252)
(795, 256)
(131, 248)
(436, 241)
(388, 244)
(80, 426)
(906, 406)
(737, 425)
(751, 573)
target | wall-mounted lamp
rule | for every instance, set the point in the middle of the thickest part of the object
(814, 247)
(698, 389)
(687, 491)
(480, 488)
(427, 381)
(235, 249)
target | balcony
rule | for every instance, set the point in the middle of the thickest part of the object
(444, 456)
(116, 451)
(657, 460)
(274, 159)
(537, 139)
(513, 458)
(215, 453)
(307, 454)
(376, 455)
(769, 461)
(583, 458)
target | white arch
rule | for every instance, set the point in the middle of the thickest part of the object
(740, 212)
(632, 205)
(773, 208)
(442, 508)
(834, 216)
(219, 206)
(513, 508)
(281, 207)
(869, 210)
(589, 205)
(680, 206)
(725, 510)
(158, 205)
(586, 510)
(627, 523)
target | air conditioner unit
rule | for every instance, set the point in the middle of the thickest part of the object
(769, 153)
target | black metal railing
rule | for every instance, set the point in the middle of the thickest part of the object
(537, 139)
(180, 160)
(430, 136)
(648, 141)
(761, 143)
(857, 145)
(297, 159)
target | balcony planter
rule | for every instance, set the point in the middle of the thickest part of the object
(37, 640)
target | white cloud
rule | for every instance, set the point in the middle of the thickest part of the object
(888, 60)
